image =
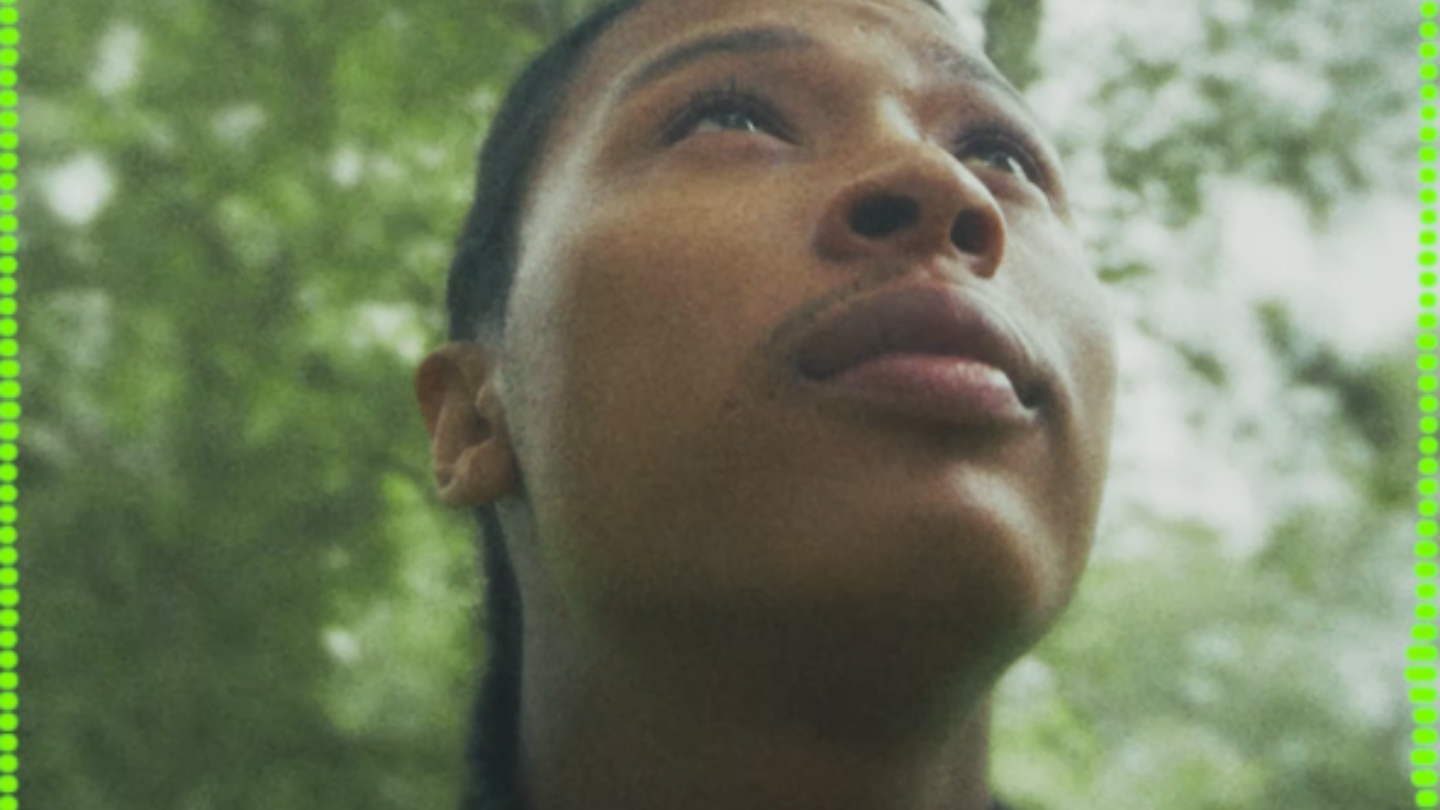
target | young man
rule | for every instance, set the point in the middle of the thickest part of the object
(784, 386)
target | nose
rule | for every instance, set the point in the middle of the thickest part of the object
(917, 203)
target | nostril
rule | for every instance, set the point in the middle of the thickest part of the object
(970, 233)
(884, 215)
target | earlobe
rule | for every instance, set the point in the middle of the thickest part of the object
(477, 478)
(469, 443)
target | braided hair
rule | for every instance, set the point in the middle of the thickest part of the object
(482, 274)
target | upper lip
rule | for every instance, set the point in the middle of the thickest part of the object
(920, 319)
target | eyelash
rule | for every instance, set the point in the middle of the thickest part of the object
(731, 97)
(724, 98)
(988, 134)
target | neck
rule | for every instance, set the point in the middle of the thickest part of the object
(802, 728)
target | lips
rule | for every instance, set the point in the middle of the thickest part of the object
(935, 320)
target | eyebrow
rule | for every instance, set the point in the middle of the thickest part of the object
(772, 39)
(740, 41)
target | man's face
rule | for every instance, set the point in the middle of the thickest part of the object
(693, 223)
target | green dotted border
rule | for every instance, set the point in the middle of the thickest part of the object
(9, 409)
(1421, 657)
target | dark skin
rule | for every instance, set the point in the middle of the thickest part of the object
(736, 595)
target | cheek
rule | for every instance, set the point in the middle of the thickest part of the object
(668, 289)
(1070, 316)
(1071, 320)
(665, 303)
(634, 336)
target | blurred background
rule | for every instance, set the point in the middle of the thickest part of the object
(241, 592)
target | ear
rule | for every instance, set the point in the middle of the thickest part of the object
(469, 441)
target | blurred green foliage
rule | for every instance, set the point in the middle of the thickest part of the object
(241, 593)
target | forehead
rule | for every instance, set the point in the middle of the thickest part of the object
(658, 25)
(676, 16)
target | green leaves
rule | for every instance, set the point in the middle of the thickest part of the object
(246, 596)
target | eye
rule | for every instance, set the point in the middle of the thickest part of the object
(1001, 152)
(733, 118)
(726, 108)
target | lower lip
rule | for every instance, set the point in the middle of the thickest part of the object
(949, 389)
